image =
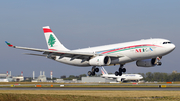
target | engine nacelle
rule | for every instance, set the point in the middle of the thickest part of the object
(146, 63)
(100, 61)
(120, 79)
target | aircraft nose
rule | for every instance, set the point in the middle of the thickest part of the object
(170, 48)
(140, 77)
(173, 46)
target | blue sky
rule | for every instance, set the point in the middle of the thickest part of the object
(84, 23)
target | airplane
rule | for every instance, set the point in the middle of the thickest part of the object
(123, 77)
(146, 53)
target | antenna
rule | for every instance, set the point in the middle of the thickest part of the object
(22, 74)
(51, 74)
(10, 73)
(40, 72)
(43, 72)
(7, 73)
(33, 75)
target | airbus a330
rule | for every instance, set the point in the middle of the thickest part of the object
(146, 53)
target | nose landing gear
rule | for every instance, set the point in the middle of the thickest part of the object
(158, 63)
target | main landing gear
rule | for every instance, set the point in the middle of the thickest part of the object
(121, 70)
(158, 62)
(93, 70)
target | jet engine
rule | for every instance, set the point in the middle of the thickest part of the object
(100, 61)
(120, 79)
(146, 62)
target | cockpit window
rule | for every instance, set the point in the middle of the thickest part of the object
(167, 42)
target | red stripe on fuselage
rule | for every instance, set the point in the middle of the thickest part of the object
(128, 47)
(47, 30)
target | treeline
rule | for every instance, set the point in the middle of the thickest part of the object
(160, 77)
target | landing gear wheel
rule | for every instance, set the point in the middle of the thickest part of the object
(93, 68)
(120, 73)
(97, 70)
(124, 70)
(116, 73)
(159, 63)
(89, 73)
(92, 73)
(120, 70)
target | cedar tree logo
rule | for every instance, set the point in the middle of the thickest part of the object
(51, 40)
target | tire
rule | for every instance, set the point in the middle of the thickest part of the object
(92, 73)
(93, 68)
(120, 69)
(124, 70)
(159, 64)
(116, 73)
(89, 73)
(120, 73)
(97, 70)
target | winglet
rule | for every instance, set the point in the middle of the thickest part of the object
(8, 44)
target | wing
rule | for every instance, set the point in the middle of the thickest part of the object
(72, 54)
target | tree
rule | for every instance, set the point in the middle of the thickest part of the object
(63, 77)
(157, 76)
(149, 76)
(51, 40)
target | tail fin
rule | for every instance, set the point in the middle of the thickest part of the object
(104, 72)
(52, 42)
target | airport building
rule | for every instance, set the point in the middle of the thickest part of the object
(41, 77)
(95, 79)
(18, 78)
(6, 77)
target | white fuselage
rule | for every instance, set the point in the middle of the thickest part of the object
(123, 77)
(131, 51)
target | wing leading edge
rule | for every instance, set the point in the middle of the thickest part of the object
(72, 54)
